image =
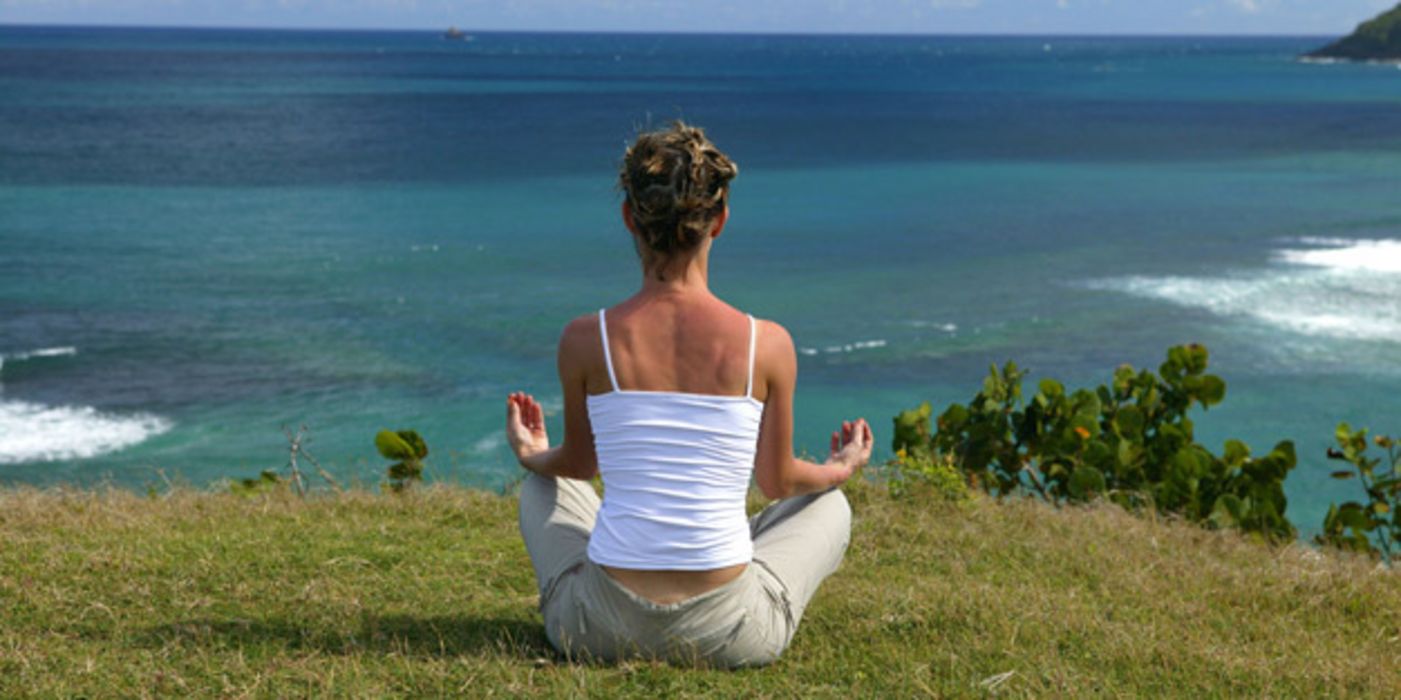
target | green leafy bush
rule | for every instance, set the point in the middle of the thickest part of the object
(1131, 441)
(1355, 525)
(916, 470)
(408, 449)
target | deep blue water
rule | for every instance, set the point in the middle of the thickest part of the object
(208, 234)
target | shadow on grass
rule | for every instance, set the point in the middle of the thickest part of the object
(411, 635)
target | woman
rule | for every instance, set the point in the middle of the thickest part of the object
(677, 398)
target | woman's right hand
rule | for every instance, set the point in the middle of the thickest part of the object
(525, 426)
(851, 447)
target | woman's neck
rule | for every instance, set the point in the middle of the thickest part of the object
(684, 277)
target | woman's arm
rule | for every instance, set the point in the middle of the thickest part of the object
(778, 473)
(574, 458)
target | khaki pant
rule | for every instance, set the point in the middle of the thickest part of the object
(748, 621)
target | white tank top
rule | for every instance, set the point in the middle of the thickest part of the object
(675, 469)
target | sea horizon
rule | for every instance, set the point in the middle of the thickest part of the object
(679, 32)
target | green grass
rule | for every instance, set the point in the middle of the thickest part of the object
(203, 594)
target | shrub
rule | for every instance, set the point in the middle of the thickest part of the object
(409, 449)
(921, 472)
(1131, 441)
(1353, 525)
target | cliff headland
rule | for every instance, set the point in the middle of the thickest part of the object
(1377, 39)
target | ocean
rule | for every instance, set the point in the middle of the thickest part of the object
(208, 235)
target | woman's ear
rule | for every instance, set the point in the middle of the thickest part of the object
(720, 222)
(627, 218)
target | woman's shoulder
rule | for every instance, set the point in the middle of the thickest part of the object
(583, 323)
(770, 335)
(771, 332)
(580, 334)
(585, 329)
(773, 339)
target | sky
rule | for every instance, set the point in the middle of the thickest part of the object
(1320, 17)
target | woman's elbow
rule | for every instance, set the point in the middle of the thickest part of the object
(584, 472)
(579, 464)
(772, 485)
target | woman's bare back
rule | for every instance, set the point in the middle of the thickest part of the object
(690, 344)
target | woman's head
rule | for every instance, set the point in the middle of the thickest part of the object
(677, 184)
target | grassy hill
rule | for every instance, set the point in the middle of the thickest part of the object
(1376, 39)
(202, 594)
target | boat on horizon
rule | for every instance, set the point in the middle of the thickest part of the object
(455, 34)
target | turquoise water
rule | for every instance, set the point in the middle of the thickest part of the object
(206, 235)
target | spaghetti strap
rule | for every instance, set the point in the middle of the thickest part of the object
(753, 334)
(607, 356)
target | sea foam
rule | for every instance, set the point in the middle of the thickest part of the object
(41, 352)
(1322, 287)
(845, 347)
(31, 432)
(1345, 255)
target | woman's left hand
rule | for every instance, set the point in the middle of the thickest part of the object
(525, 426)
(851, 446)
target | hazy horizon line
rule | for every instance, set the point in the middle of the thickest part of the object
(739, 32)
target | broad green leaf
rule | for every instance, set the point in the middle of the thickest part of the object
(1343, 433)
(1128, 453)
(1211, 390)
(420, 448)
(1236, 453)
(392, 446)
(1086, 481)
(1129, 421)
(1196, 358)
(954, 418)
(1284, 450)
(1227, 510)
(1352, 515)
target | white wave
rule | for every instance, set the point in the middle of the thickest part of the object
(31, 432)
(1343, 254)
(845, 347)
(41, 352)
(945, 327)
(1338, 288)
(1331, 241)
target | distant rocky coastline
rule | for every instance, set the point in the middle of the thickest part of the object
(1378, 39)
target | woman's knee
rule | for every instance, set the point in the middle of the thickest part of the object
(837, 510)
(536, 498)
